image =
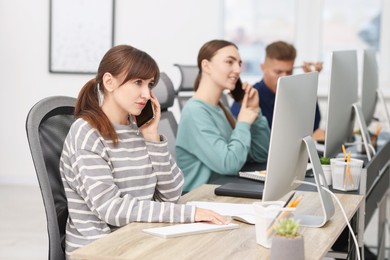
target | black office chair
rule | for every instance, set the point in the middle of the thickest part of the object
(165, 93)
(47, 125)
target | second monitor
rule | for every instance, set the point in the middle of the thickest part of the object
(343, 105)
(343, 93)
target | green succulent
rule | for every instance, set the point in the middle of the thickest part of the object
(325, 160)
(287, 227)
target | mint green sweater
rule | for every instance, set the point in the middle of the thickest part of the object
(206, 144)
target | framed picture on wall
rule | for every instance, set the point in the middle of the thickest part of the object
(81, 32)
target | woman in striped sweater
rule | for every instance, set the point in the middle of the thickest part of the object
(114, 173)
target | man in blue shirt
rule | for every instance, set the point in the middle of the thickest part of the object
(279, 61)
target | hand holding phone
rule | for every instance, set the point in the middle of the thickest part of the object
(248, 111)
(147, 114)
(238, 93)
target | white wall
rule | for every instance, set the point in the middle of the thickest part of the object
(169, 30)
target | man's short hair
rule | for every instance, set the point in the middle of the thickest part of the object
(281, 50)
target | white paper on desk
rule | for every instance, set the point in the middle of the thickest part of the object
(241, 212)
(188, 229)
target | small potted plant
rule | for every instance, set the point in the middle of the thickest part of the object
(326, 168)
(287, 242)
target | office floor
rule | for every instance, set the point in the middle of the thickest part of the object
(23, 224)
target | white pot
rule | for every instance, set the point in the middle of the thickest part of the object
(327, 169)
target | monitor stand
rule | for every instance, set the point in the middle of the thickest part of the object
(364, 131)
(325, 198)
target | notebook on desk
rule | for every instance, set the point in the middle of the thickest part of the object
(253, 175)
(243, 190)
(260, 175)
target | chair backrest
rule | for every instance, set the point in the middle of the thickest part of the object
(188, 75)
(165, 93)
(186, 88)
(47, 125)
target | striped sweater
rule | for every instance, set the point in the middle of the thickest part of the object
(108, 187)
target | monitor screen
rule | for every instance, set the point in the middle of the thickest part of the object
(294, 114)
(369, 85)
(291, 145)
(343, 93)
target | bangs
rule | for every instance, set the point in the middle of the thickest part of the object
(142, 66)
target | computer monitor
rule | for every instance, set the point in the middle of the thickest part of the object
(371, 93)
(343, 93)
(291, 144)
(343, 105)
(370, 85)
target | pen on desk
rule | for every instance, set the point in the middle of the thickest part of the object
(375, 136)
(348, 171)
(345, 172)
(289, 200)
(297, 201)
(378, 129)
(344, 152)
(347, 168)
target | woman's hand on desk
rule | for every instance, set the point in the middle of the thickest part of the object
(206, 215)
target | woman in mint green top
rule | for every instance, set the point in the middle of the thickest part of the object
(209, 140)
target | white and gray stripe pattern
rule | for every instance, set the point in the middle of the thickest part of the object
(109, 187)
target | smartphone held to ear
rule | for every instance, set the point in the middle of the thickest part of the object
(238, 93)
(146, 115)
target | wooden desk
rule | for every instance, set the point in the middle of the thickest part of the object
(130, 242)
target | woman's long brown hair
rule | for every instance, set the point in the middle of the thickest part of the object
(207, 52)
(119, 60)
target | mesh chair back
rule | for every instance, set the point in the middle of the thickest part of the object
(188, 76)
(165, 93)
(47, 125)
(186, 88)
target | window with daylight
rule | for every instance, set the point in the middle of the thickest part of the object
(252, 24)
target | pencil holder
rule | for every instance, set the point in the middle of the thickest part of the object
(346, 175)
(266, 215)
